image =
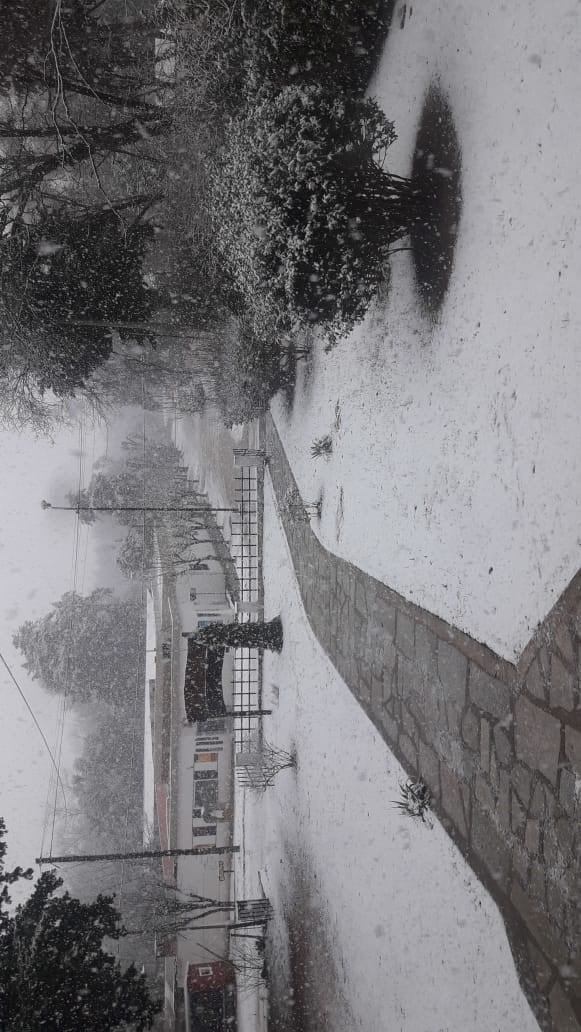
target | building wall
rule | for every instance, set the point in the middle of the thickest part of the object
(197, 754)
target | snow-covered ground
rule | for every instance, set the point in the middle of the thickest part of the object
(207, 448)
(456, 474)
(403, 937)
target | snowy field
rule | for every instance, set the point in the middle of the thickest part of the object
(405, 938)
(456, 473)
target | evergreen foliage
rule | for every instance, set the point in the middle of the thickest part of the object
(87, 646)
(55, 975)
(145, 478)
(260, 635)
(304, 210)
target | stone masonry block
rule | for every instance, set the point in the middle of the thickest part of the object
(565, 837)
(535, 681)
(384, 616)
(484, 793)
(503, 746)
(360, 598)
(490, 694)
(390, 726)
(532, 836)
(521, 780)
(404, 634)
(409, 723)
(452, 668)
(538, 737)
(573, 748)
(539, 926)
(426, 652)
(491, 847)
(564, 643)
(430, 769)
(376, 693)
(389, 656)
(406, 678)
(452, 800)
(562, 1013)
(494, 771)
(562, 686)
(567, 796)
(520, 864)
(541, 966)
(518, 815)
(485, 745)
(537, 808)
(471, 729)
(503, 801)
(409, 751)
(537, 886)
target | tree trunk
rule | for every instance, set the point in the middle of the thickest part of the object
(263, 635)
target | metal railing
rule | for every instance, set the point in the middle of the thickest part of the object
(246, 545)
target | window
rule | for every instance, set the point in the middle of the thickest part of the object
(206, 794)
(212, 726)
(193, 594)
(205, 775)
(206, 757)
(205, 831)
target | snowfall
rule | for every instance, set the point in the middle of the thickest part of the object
(455, 476)
(398, 933)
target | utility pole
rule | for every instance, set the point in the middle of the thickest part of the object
(132, 508)
(143, 855)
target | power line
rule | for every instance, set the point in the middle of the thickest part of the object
(37, 725)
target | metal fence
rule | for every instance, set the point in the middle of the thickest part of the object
(246, 545)
(246, 535)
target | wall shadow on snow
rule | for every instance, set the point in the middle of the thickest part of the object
(306, 987)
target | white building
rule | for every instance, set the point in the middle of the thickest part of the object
(192, 774)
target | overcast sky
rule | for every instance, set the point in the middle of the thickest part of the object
(40, 559)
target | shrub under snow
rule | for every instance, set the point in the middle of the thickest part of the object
(304, 211)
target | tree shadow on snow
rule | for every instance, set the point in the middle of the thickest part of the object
(298, 364)
(437, 172)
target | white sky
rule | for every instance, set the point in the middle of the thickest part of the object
(37, 565)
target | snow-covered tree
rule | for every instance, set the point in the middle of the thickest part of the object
(146, 478)
(259, 635)
(55, 975)
(305, 212)
(86, 645)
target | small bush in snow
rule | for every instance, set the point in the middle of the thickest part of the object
(415, 800)
(304, 212)
(322, 446)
